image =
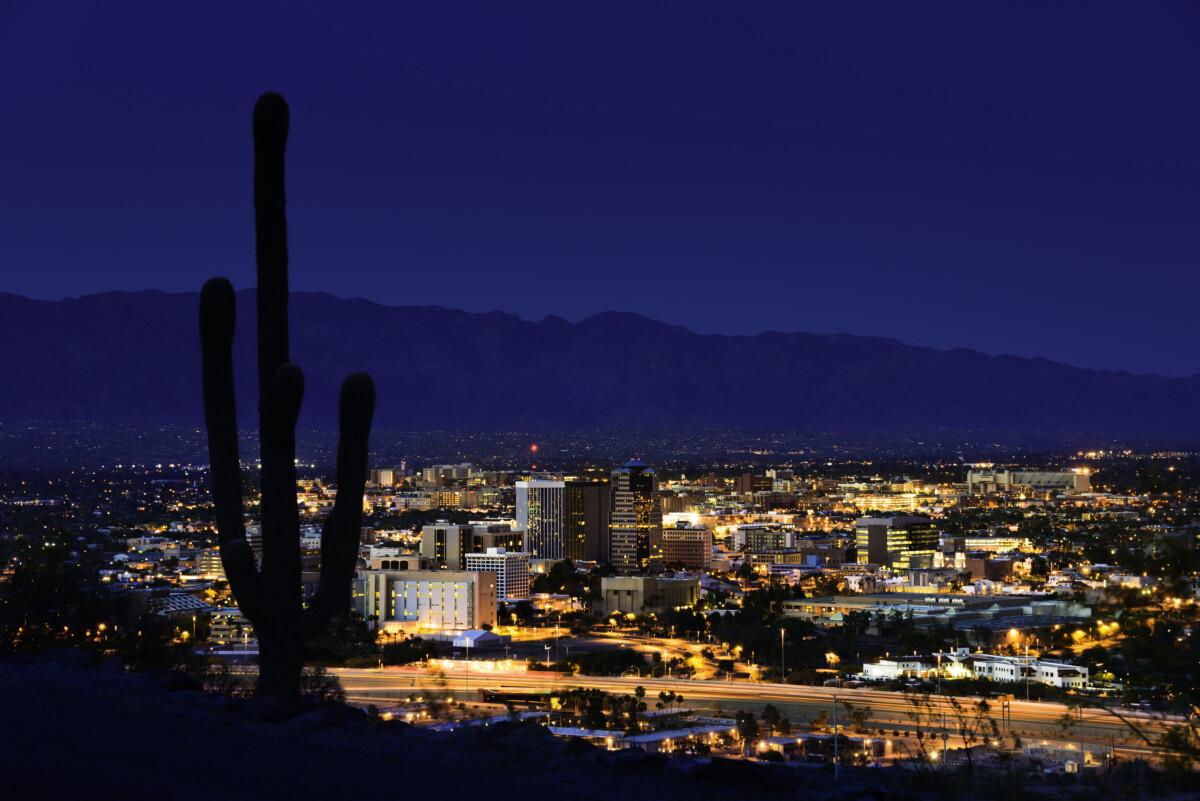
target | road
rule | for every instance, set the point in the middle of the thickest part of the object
(1033, 721)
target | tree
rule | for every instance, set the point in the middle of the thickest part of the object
(771, 718)
(747, 728)
(523, 610)
(974, 724)
(855, 624)
(826, 585)
(859, 716)
(271, 597)
(925, 717)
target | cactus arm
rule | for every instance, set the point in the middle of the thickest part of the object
(340, 536)
(244, 580)
(217, 318)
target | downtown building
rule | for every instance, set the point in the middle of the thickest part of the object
(425, 600)
(635, 523)
(511, 569)
(633, 595)
(565, 519)
(898, 543)
(585, 532)
(688, 546)
(541, 505)
(447, 544)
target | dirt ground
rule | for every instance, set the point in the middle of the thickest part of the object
(76, 733)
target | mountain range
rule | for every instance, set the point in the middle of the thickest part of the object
(122, 357)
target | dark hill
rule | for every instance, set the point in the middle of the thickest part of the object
(134, 357)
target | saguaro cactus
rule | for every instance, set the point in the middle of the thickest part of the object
(271, 597)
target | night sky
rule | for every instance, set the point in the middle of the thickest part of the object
(1012, 177)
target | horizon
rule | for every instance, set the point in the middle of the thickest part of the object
(603, 313)
(1013, 181)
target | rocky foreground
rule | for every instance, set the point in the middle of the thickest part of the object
(72, 731)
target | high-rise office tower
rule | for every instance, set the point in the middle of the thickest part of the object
(900, 543)
(635, 524)
(585, 536)
(447, 544)
(511, 569)
(540, 513)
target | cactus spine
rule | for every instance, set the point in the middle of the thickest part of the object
(271, 597)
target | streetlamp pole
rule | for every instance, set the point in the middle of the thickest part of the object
(1027, 670)
(782, 672)
(944, 737)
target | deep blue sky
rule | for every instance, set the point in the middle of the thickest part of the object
(1013, 177)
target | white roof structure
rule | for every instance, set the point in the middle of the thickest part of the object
(477, 638)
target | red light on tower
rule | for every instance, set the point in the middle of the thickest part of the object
(533, 447)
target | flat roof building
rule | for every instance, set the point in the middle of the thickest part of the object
(511, 569)
(898, 543)
(638, 594)
(434, 600)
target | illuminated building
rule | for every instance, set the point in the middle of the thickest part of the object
(638, 594)
(541, 514)
(635, 524)
(511, 569)
(963, 663)
(1069, 482)
(585, 533)
(690, 546)
(447, 544)
(429, 600)
(227, 626)
(208, 563)
(897, 542)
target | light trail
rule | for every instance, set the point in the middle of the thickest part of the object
(1032, 720)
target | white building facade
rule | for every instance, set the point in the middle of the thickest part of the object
(426, 600)
(511, 569)
(962, 663)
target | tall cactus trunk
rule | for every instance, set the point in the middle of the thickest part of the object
(280, 663)
(271, 598)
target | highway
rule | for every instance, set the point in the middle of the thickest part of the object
(1032, 721)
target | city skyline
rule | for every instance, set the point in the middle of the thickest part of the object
(1016, 182)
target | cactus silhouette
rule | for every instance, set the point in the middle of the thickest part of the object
(271, 597)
